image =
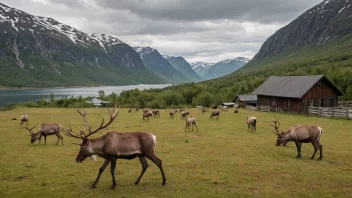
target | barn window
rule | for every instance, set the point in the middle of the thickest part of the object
(274, 103)
(319, 86)
(311, 102)
(289, 102)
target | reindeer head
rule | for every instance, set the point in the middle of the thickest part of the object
(34, 136)
(86, 148)
(280, 136)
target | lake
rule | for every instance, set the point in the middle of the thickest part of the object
(24, 95)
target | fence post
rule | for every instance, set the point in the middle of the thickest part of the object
(347, 116)
(332, 113)
(320, 112)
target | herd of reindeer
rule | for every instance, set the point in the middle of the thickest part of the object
(113, 145)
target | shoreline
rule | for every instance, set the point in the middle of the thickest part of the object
(30, 88)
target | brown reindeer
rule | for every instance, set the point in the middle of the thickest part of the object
(204, 110)
(235, 111)
(147, 115)
(191, 121)
(24, 119)
(215, 114)
(184, 114)
(136, 110)
(172, 113)
(45, 130)
(252, 123)
(113, 145)
(300, 133)
(129, 111)
(156, 113)
(146, 110)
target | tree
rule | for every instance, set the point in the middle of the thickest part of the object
(52, 97)
(101, 93)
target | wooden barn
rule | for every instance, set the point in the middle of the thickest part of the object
(296, 93)
(243, 100)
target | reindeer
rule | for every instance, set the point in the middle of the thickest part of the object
(204, 110)
(235, 111)
(191, 121)
(300, 133)
(252, 123)
(113, 145)
(146, 110)
(224, 109)
(215, 114)
(45, 130)
(156, 113)
(184, 114)
(147, 115)
(24, 119)
(172, 113)
(129, 111)
(136, 110)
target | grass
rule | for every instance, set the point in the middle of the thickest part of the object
(221, 160)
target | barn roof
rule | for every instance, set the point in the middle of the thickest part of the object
(247, 98)
(290, 86)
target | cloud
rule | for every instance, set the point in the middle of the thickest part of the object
(199, 30)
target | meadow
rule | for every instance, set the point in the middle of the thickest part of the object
(222, 159)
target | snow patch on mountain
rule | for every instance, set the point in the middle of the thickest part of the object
(143, 50)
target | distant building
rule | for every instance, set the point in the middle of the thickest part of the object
(297, 93)
(243, 100)
(228, 104)
(98, 102)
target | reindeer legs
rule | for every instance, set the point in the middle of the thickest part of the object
(298, 149)
(144, 167)
(321, 150)
(101, 170)
(113, 166)
(157, 161)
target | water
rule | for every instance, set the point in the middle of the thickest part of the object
(24, 95)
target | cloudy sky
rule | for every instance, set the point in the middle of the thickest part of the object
(198, 30)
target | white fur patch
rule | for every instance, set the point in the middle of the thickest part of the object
(93, 158)
(154, 138)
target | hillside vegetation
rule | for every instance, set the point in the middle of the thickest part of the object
(222, 159)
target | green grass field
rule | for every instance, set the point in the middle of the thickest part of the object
(221, 160)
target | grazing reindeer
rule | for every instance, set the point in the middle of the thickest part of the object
(129, 111)
(215, 114)
(252, 123)
(300, 133)
(172, 113)
(191, 121)
(235, 111)
(136, 110)
(147, 115)
(156, 113)
(184, 114)
(45, 130)
(113, 145)
(24, 119)
(204, 110)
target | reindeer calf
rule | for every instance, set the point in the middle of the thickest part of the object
(191, 121)
(252, 123)
(215, 114)
(24, 119)
(147, 115)
(156, 113)
(184, 114)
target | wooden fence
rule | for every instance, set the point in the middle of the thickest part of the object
(331, 112)
(327, 112)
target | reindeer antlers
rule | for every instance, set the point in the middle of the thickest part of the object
(30, 130)
(276, 127)
(83, 135)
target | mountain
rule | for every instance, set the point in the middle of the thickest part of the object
(201, 67)
(42, 52)
(153, 60)
(181, 65)
(225, 67)
(317, 42)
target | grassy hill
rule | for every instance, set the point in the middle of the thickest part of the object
(222, 159)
